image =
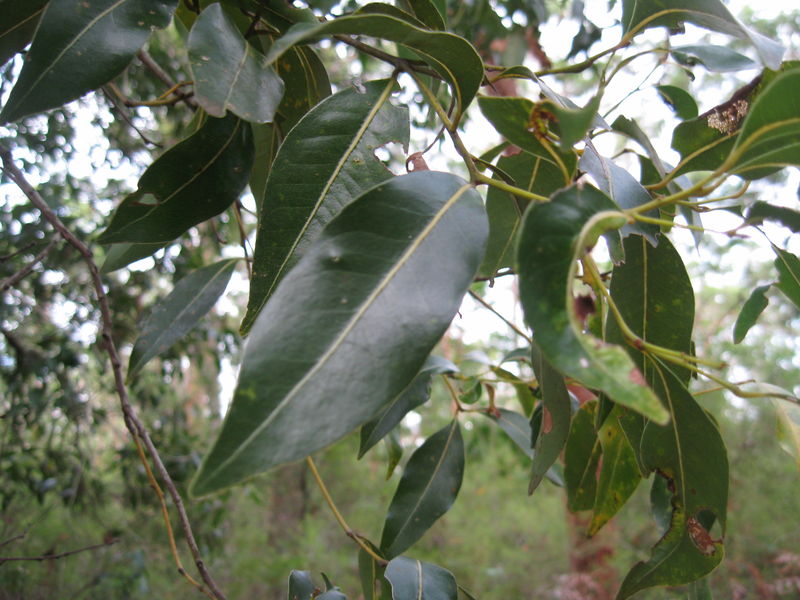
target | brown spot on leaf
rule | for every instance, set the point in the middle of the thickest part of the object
(636, 377)
(700, 537)
(416, 162)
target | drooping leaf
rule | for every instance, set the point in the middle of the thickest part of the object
(572, 124)
(714, 58)
(690, 453)
(417, 580)
(190, 183)
(770, 134)
(394, 452)
(788, 266)
(416, 393)
(301, 587)
(531, 173)
(556, 415)
(512, 118)
(711, 14)
(79, 46)
(18, 24)
(351, 324)
(427, 490)
(121, 255)
(619, 472)
(452, 57)
(326, 162)
(266, 141)
(374, 585)
(516, 426)
(228, 72)
(751, 310)
(631, 128)
(761, 211)
(306, 84)
(173, 317)
(553, 236)
(581, 456)
(679, 100)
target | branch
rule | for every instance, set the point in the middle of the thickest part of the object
(132, 421)
(5, 559)
(26, 270)
(161, 74)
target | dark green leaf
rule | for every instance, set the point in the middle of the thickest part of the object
(416, 580)
(374, 585)
(661, 504)
(788, 266)
(352, 323)
(300, 586)
(306, 82)
(416, 393)
(266, 141)
(121, 255)
(554, 235)
(229, 73)
(451, 56)
(678, 100)
(427, 490)
(572, 124)
(531, 173)
(581, 456)
(430, 12)
(711, 14)
(761, 211)
(174, 316)
(79, 46)
(619, 472)
(190, 183)
(750, 312)
(714, 58)
(700, 590)
(516, 426)
(19, 21)
(702, 148)
(556, 414)
(691, 454)
(326, 161)
(394, 452)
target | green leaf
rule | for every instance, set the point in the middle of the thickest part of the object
(702, 148)
(556, 414)
(750, 312)
(711, 14)
(572, 124)
(417, 580)
(306, 82)
(452, 57)
(79, 46)
(700, 590)
(554, 235)
(788, 266)
(121, 255)
(394, 452)
(522, 388)
(301, 587)
(174, 316)
(416, 393)
(714, 58)
(191, 182)
(581, 457)
(531, 173)
(661, 504)
(374, 585)
(690, 453)
(325, 162)
(770, 134)
(679, 100)
(619, 472)
(788, 432)
(516, 426)
(427, 490)
(229, 73)
(761, 211)
(432, 13)
(266, 141)
(18, 24)
(511, 117)
(351, 324)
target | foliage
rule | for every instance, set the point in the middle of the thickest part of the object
(357, 272)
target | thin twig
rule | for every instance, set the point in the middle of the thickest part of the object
(386, 57)
(156, 69)
(516, 329)
(14, 279)
(115, 96)
(19, 536)
(132, 421)
(5, 559)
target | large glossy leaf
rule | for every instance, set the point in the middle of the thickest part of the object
(788, 266)
(416, 393)
(325, 163)
(228, 72)
(301, 586)
(714, 58)
(531, 173)
(512, 119)
(554, 235)
(619, 472)
(690, 453)
(751, 310)
(191, 182)
(556, 415)
(173, 317)
(451, 56)
(711, 14)
(581, 456)
(416, 580)
(19, 21)
(351, 324)
(427, 490)
(770, 134)
(79, 46)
